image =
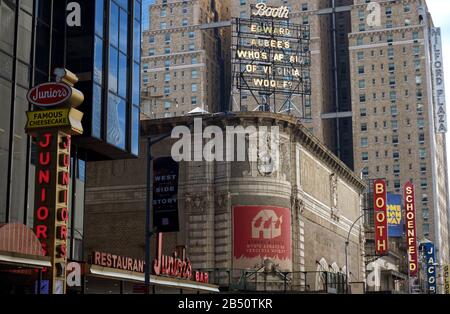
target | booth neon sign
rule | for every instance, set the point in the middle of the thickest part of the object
(266, 11)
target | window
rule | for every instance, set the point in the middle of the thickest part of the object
(191, 35)
(361, 70)
(194, 88)
(394, 139)
(365, 156)
(166, 90)
(422, 153)
(364, 142)
(363, 127)
(425, 213)
(360, 55)
(394, 124)
(193, 100)
(362, 84)
(426, 229)
(423, 167)
(396, 169)
(395, 155)
(167, 77)
(421, 123)
(151, 39)
(423, 183)
(421, 138)
(365, 172)
(167, 38)
(194, 74)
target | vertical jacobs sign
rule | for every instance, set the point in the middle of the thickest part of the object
(411, 235)
(52, 130)
(381, 221)
(440, 110)
(430, 261)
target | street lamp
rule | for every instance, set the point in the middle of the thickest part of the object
(346, 251)
(149, 231)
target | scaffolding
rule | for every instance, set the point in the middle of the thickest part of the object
(271, 62)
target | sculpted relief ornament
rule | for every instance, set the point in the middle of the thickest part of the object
(334, 196)
(195, 203)
(222, 201)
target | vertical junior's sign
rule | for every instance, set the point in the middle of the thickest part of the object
(381, 221)
(430, 260)
(440, 110)
(165, 195)
(53, 130)
(51, 201)
(411, 235)
(259, 233)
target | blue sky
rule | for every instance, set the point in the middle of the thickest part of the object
(440, 11)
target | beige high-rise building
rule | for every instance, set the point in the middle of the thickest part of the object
(395, 123)
(183, 65)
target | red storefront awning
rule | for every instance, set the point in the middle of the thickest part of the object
(20, 246)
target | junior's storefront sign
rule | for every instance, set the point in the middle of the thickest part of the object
(176, 265)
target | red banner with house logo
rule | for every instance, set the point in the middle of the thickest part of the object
(262, 233)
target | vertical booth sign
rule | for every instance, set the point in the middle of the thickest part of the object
(411, 235)
(381, 221)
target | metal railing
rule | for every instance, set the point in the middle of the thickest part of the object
(259, 280)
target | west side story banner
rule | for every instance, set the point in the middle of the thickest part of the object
(165, 194)
(440, 110)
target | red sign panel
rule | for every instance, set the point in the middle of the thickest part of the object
(49, 94)
(411, 234)
(381, 221)
(259, 233)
